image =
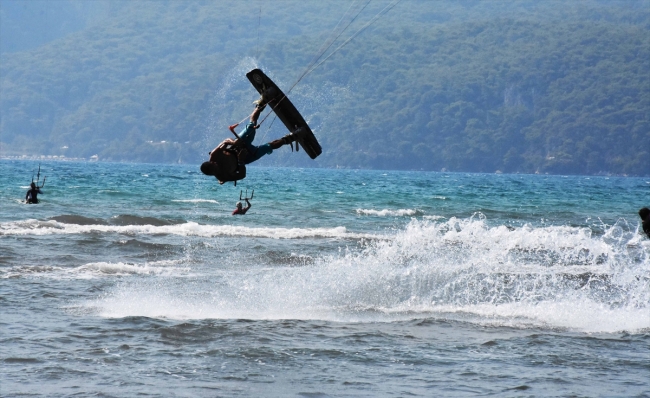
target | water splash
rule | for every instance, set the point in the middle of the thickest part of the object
(550, 277)
(228, 101)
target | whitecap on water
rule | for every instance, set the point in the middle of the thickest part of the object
(195, 201)
(459, 269)
(388, 212)
(51, 227)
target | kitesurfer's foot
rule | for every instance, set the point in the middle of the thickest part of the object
(260, 103)
(294, 136)
(299, 133)
(288, 139)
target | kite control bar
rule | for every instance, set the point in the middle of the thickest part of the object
(246, 196)
(38, 177)
(232, 129)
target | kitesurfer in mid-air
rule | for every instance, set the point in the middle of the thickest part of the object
(645, 220)
(242, 210)
(32, 195)
(224, 170)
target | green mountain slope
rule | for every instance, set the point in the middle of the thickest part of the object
(464, 86)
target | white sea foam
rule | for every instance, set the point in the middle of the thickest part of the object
(96, 269)
(196, 201)
(51, 227)
(387, 212)
(549, 277)
(576, 314)
(28, 270)
(91, 270)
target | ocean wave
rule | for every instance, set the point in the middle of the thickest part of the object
(388, 212)
(128, 220)
(587, 316)
(51, 227)
(27, 270)
(122, 219)
(96, 269)
(139, 245)
(196, 201)
(165, 267)
(557, 277)
(79, 220)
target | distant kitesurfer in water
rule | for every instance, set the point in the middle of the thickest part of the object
(32, 195)
(645, 220)
(242, 210)
(227, 161)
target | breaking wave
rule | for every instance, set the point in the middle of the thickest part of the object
(461, 269)
(388, 212)
(96, 269)
(196, 201)
(52, 227)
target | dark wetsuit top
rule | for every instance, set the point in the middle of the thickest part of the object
(228, 169)
(32, 195)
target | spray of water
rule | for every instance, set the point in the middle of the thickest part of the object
(228, 101)
(462, 269)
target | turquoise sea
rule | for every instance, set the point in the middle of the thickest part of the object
(136, 280)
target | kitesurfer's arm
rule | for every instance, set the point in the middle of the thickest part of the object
(213, 154)
(220, 148)
(248, 206)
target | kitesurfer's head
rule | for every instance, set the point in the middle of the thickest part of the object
(33, 185)
(644, 213)
(239, 205)
(209, 168)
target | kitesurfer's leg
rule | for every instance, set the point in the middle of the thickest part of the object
(253, 153)
(256, 113)
(260, 104)
(256, 152)
(287, 139)
(276, 143)
(248, 135)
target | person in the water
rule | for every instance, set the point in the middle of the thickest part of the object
(645, 220)
(32, 195)
(240, 209)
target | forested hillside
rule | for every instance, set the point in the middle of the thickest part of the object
(557, 87)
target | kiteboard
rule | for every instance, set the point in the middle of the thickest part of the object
(285, 110)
